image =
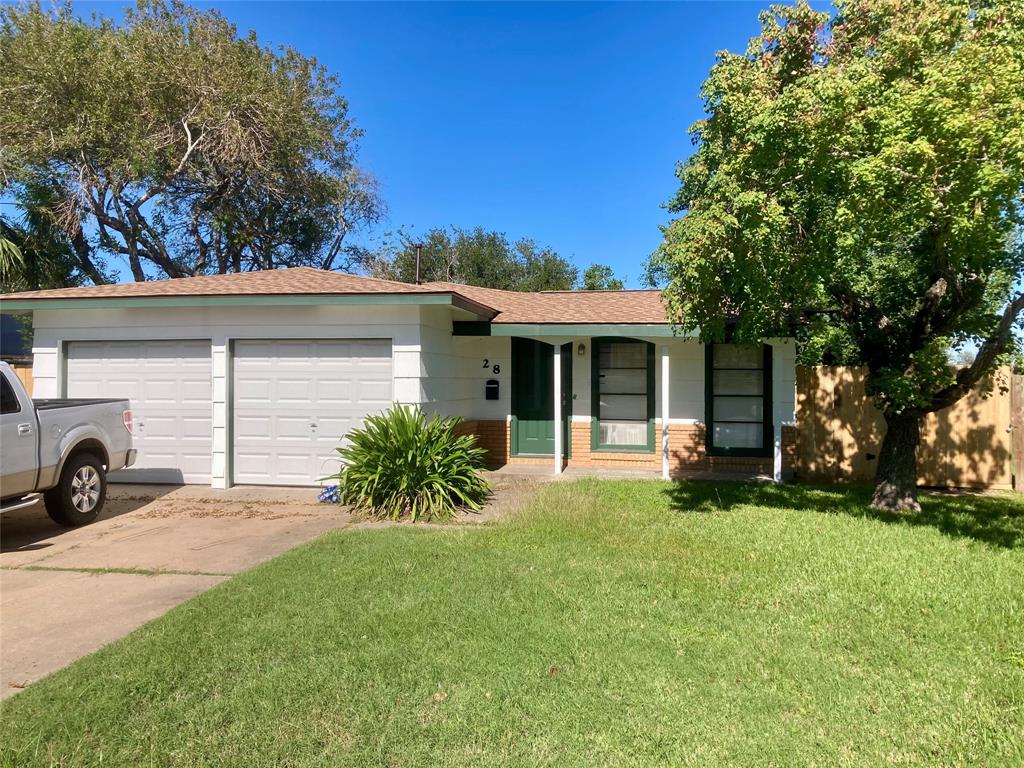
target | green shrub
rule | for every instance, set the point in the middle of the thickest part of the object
(402, 464)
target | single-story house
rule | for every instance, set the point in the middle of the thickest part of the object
(255, 378)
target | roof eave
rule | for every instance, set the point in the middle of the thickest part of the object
(584, 329)
(447, 298)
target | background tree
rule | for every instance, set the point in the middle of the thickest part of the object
(473, 257)
(871, 165)
(599, 277)
(176, 145)
(43, 255)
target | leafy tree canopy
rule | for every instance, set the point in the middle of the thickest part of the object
(871, 165)
(175, 144)
(473, 257)
(600, 277)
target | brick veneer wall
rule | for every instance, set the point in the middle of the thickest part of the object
(685, 446)
(493, 437)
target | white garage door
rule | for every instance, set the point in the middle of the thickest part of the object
(169, 384)
(294, 401)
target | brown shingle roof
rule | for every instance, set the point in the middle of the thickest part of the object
(270, 282)
(544, 307)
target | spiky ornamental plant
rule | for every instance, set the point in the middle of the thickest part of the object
(401, 464)
(869, 164)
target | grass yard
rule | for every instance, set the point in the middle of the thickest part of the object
(608, 624)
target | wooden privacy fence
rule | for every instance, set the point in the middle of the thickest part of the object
(24, 372)
(968, 445)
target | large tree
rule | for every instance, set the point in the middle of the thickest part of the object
(473, 257)
(863, 171)
(176, 145)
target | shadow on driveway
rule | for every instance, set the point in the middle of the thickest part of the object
(30, 529)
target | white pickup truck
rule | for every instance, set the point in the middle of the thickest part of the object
(60, 451)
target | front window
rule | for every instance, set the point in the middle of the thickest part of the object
(739, 399)
(624, 394)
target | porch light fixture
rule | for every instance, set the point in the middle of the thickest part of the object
(581, 350)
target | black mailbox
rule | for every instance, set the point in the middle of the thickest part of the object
(491, 389)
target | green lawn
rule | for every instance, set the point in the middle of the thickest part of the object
(609, 624)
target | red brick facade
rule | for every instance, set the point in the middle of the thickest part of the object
(685, 446)
(492, 436)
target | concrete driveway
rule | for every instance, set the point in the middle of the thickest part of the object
(67, 592)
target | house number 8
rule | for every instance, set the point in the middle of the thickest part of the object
(495, 369)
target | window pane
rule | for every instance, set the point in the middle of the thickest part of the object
(620, 407)
(623, 381)
(739, 409)
(738, 435)
(623, 433)
(623, 355)
(739, 382)
(737, 356)
(622, 393)
(8, 400)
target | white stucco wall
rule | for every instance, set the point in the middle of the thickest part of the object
(453, 374)
(783, 382)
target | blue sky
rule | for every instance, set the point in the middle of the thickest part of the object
(560, 122)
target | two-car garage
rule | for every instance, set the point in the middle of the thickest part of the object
(291, 401)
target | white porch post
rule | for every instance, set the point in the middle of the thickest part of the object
(777, 450)
(558, 409)
(665, 389)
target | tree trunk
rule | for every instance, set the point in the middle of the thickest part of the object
(896, 477)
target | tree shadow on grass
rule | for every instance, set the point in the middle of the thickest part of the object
(997, 519)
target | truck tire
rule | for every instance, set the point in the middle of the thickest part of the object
(78, 498)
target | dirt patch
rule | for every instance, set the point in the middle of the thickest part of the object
(301, 503)
(212, 508)
(509, 493)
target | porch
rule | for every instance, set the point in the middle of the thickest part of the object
(636, 405)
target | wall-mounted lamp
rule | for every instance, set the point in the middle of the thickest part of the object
(581, 350)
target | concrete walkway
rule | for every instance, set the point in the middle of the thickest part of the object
(544, 473)
(67, 592)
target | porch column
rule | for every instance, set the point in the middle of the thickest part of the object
(559, 448)
(665, 389)
(777, 450)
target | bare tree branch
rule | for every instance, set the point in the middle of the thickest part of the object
(993, 346)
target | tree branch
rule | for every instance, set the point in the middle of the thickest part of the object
(993, 346)
(84, 255)
(190, 147)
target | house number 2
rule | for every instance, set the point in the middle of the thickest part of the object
(495, 369)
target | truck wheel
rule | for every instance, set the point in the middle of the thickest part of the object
(78, 497)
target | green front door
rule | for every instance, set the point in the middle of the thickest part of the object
(533, 397)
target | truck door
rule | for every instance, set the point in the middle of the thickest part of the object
(18, 452)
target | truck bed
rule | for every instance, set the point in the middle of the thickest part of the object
(51, 403)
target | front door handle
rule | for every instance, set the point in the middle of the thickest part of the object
(24, 429)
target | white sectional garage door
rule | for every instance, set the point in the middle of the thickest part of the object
(169, 384)
(294, 400)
